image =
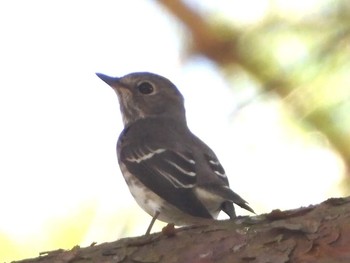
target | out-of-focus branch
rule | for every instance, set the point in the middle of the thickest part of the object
(226, 47)
(216, 44)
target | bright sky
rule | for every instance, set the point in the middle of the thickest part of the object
(59, 124)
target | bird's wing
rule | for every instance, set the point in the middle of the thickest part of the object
(214, 181)
(215, 167)
(169, 173)
(222, 190)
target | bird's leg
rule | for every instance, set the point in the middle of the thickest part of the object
(152, 223)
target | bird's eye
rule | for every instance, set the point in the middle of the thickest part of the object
(145, 88)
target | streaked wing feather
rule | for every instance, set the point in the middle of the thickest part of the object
(216, 167)
(170, 174)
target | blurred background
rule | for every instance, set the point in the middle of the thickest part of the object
(266, 85)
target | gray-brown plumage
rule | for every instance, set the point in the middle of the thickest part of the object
(172, 174)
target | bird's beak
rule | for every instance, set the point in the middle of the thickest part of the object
(111, 81)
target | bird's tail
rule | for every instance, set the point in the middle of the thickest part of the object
(231, 197)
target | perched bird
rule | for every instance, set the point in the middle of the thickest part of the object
(171, 173)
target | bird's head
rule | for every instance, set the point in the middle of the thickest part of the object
(142, 95)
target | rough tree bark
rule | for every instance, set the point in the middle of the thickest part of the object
(318, 233)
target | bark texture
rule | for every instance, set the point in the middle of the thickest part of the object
(318, 233)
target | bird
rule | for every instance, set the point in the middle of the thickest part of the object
(171, 173)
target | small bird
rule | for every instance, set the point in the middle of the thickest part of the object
(173, 175)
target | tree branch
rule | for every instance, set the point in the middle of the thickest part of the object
(318, 233)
